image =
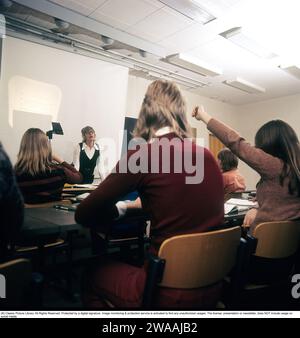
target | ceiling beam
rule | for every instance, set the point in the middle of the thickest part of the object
(90, 24)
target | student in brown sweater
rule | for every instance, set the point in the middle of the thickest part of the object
(40, 175)
(172, 203)
(276, 157)
(233, 180)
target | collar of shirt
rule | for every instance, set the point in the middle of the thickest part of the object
(163, 131)
(85, 146)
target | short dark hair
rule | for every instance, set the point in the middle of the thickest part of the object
(228, 160)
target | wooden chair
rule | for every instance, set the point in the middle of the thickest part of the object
(277, 239)
(22, 288)
(45, 243)
(192, 261)
(272, 261)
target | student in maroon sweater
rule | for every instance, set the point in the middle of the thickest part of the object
(178, 201)
(40, 175)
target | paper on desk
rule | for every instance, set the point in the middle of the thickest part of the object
(229, 208)
(84, 186)
(241, 202)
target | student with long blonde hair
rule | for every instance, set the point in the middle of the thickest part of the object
(165, 195)
(40, 174)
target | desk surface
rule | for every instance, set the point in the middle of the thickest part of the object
(39, 221)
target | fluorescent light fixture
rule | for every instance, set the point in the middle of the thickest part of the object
(191, 9)
(292, 70)
(192, 64)
(245, 86)
(236, 36)
(172, 77)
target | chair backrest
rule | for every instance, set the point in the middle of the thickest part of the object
(17, 278)
(198, 260)
(277, 239)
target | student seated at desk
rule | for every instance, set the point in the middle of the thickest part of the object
(276, 157)
(169, 197)
(233, 180)
(41, 176)
(11, 205)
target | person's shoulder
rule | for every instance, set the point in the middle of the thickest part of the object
(4, 159)
(55, 169)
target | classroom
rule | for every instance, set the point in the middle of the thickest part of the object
(149, 155)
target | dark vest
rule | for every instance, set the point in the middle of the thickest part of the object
(86, 165)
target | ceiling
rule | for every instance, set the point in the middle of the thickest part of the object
(150, 30)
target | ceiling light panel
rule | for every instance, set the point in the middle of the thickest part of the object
(292, 70)
(192, 64)
(191, 9)
(236, 36)
(245, 86)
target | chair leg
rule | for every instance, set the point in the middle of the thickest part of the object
(154, 276)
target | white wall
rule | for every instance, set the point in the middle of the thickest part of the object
(136, 91)
(39, 81)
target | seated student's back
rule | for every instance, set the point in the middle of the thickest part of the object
(233, 180)
(176, 202)
(41, 176)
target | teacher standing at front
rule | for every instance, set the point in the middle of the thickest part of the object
(86, 157)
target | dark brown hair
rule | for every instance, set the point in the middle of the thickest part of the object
(228, 160)
(279, 139)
